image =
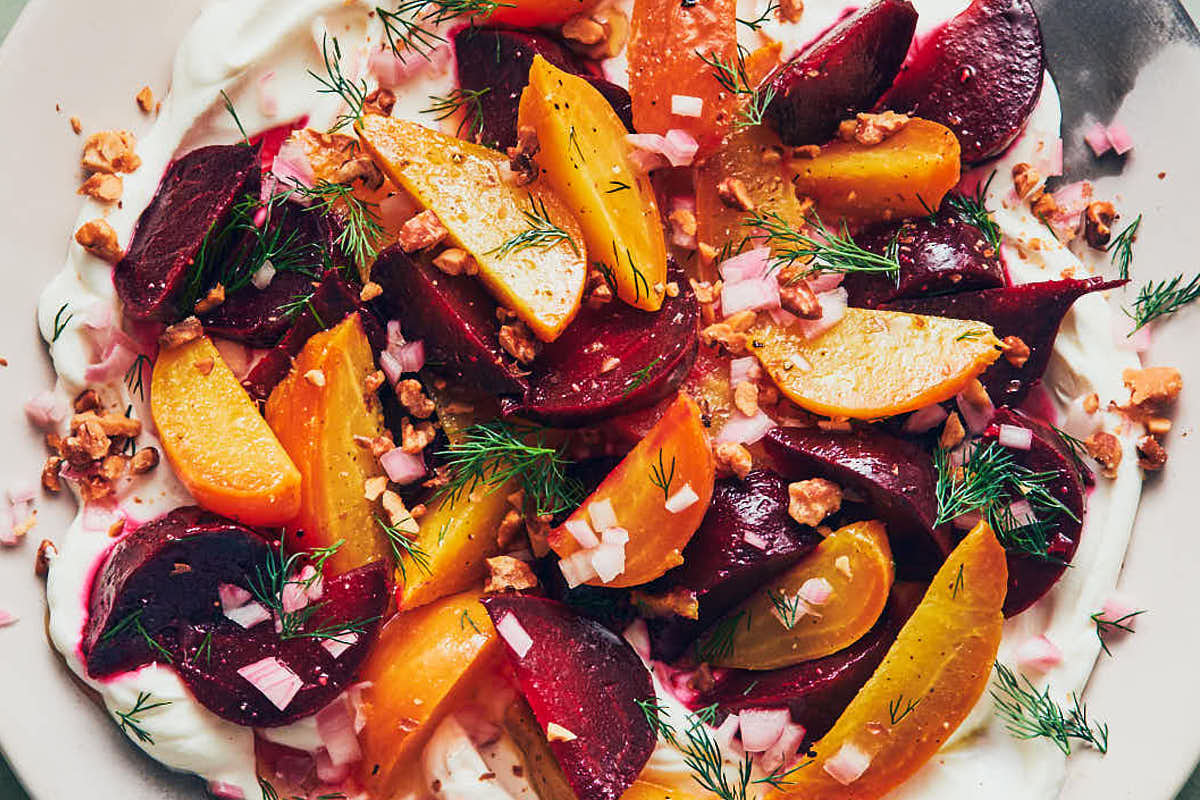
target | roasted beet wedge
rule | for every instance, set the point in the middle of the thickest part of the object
(1030, 577)
(453, 316)
(573, 381)
(259, 317)
(980, 75)
(585, 678)
(721, 566)
(144, 592)
(1030, 311)
(816, 692)
(196, 193)
(894, 476)
(844, 71)
(937, 255)
(496, 62)
(210, 654)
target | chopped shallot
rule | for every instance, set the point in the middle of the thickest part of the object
(925, 419)
(816, 591)
(582, 532)
(226, 791)
(514, 634)
(683, 499)
(1038, 654)
(1119, 138)
(833, 308)
(746, 430)
(762, 727)
(263, 276)
(411, 356)
(686, 105)
(753, 294)
(781, 753)
(1016, 437)
(725, 732)
(1022, 513)
(746, 266)
(678, 147)
(608, 560)
(248, 615)
(391, 366)
(848, 764)
(232, 596)
(340, 643)
(577, 568)
(1119, 608)
(755, 540)
(977, 418)
(335, 726)
(292, 167)
(274, 679)
(744, 369)
(602, 515)
(614, 536)
(401, 467)
(45, 411)
(1097, 138)
(7, 618)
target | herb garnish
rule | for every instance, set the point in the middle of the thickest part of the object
(541, 233)
(718, 644)
(958, 583)
(660, 477)
(465, 619)
(134, 620)
(789, 608)
(269, 793)
(640, 377)
(468, 101)
(1122, 247)
(640, 283)
(411, 26)
(733, 79)
(361, 226)
(617, 186)
(762, 19)
(133, 376)
(129, 721)
(236, 119)
(1031, 714)
(896, 713)
(831, 252)
(403, 546)
(492, 453)
(60, 323)
(353, 93)
(1159, 299)
(1104, 626)
(972, 210)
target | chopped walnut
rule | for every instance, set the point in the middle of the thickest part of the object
(811, 501)
(398, 514)
(415, 438)
(421, 232)
(187, 330)
(1097, 223)
(706, 295)
(976, 395)
(597, 293)
(112, 424)
(1044, 206)
(1091, 403)
(76, 125)
(214, 298)
(110, 151)
(1106, 449)
(316, 377)
(373, 381)
(456, 261)
(518, 342)
(380, 101)
(609, 364)
(672, 289)
(583, 29)
(1016, 352)
(26, 525)
(616, 32)
(46, 553)
(506, 572)
(103, 186)
(791, 10)
(113, 466)
(679, 601)
(538, 531)
(1158, 426)
(733, 193)
(143, 460)
(370, 291)
(798, 298)
(684, 220)
(953, 432)
(51, 481)
(733, 458)
(145, 99)
(87, 400)
(378, 445)
(363, 169)
(521, 158)
(98, 238)
(374, 487)
(1025, 179)
(745, 398)
(872, 129)
(723, 333)
(509, 530)
(1152, 389)
(1152, 456)
(557, 733)
(806, 151)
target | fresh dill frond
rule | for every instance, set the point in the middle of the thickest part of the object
(617, 186)
(133, 621)
(412, 26)
(965, 335)
(362, 228)
(640, 377)
(541, 232)
(298, 303)
(1122, 247)
(236, 119)
(404, 547)
(661, 477)
(733, 79)
(898, 709)
(654, 718)
(133, 375)
(466, 101)
(789, 608)
(1076, 448)
(130, 721)
(761, 19)
(640, 283)
(492, 453)
(972, 210)
(1156, 300)
(1106, 626)
(825, 252)
(1030, 714)
(205, 649)
(353, 93)
(958, 583)
(270, 578)
(718, 644)
(61, 322)
(465, 619)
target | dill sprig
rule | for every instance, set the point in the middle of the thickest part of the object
(465, 619)
(61, 322)
(701, 753)
(640, 377)
(1156, 300)
(789, 608)
(236, 119)
(1076, 449)
(467, 101)
(411, 28)
(733, 79)
(404, 547)
(617, 186)
(1031, 714)
(133, 620)
(1106, 626)
(362, 228)
(279, 571)
(897, 713)
(972, 210)
(640, 283)
(541, 233)
(492, 453)
(986, 482)
(353, 93)
(958, 583)
(133, 375)
(825, 252)
(661, 477)
(205, 649)
(761, 19)
(1122, 247)
(130, 722)
(718, 644)
(270, 793)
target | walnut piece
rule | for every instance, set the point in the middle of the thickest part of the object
(145, 99)
(506, 572)
(791, 10)
(103, 186)
(521, 158)
(872, 129)
(182, 332)
(799, 299)
(1152, 456)
(110, 151)
(214, 298)
(733, 194)
(361, 169)
(415, 438)
(1106, 449)
(583, 29)
(953, 432)
(1025, 179)
(98, 238)
(370, 291)
(1097, 223)
(421, 232)
(455, 261)
(412, 396)
(733, 458)
(745, 398)
(680, 601)
(518, 342)
(144, 460)
(1152, 389)
(1016, 352)
(811, 501)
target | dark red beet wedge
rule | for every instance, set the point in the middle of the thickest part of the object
(1030, 577)
(259, 317)
(894, 476)
(568, 384)
(452, 315)
(496, 62)
(211, 653)
(816, 692)
(585, 678)
(844, 71)
(937, 255)
(1030, 311)
(980, 75)
(720, 566)
(143, 587)
(196, 193)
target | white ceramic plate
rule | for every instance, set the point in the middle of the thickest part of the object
(68, 57)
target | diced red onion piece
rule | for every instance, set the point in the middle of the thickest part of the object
(1127, 339)
(411, 356)
(608, 560)
(614, 536)
(681, 238)
(1073, 198)
(1119, 138)
(514, 634)
(582, 532)
(1022, 513)
(1097, 138)
(274, 679)
(291, 165)
(329, 773)
(577, 568)
(225, 790)
(248, 615)
(232, 596)
(762, 727)
(746, 266)
(646, 161)
(816, 591)
(746, 430)
(1119, 608)
(847, 765)
(117, 360)
(781, 753)
(648, 151)
(976, 418)
(1038, 654)
(391, 71)
(824, 281)
(395, 336)
(638, 636)
(686, 105)
(782, 318)
(602, 515)
(1015, 436)
(335, 726)
(683, 499)
(833, 308)
(340, 643)
(314, 584)
(263, 276)
(293, 597)
(401, 467)
(679, 147)
(391, 366)
(45, 411)
(724, 733)
(925, 419)
(744, 369)
(7, 618)
(754, 540)
(753, 294)
(268, 101)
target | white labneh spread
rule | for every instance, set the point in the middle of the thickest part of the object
(259, 52)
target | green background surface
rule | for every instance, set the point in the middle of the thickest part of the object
(11, 790)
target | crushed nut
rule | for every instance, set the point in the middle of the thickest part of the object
(742, 321)
(1158, 426)
(214, 298)
(103, 186)
(113, 467)
(733, 193)
(51, 481)
(1152, 456)
(98, 238)
(679, 601)
(1091, 403)
(143, 460)
(415, 438)
(798, 298)
(510, 529)
(361, 169)
(110, 151)
(806, 151)
(871, 129)
(616, 34)
(455, 261)
(745, 397)
(205, 365)
(538, 531)
(733, 458)
(975, 394)
(398, 513)
(187, 330)
(370, 291)
(316, 377)
(518, 342)
(557, 733)
(374, 487)
(506, 572)
(76, 125)
(412, 396)
(1106, 449)
(26, 525)
(521, 158)
(1016, 352)
(953, 432)
(373, 381)
(421, 232)
(791, 10)
(684, 221)
(672, 289)
(723, 333)
(811, 501)
(1152, 389)
(1044, 206)
(46, 553)
(380, 101)
(597, 293)
(1097, 223)
(87, 400)
(145, 99)
(1025, 179)
(609, 364)
(377, 445)
(89, 440)
(583, 29)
